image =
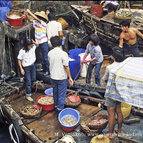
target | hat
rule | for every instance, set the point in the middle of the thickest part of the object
(102, 2)
(42, 14)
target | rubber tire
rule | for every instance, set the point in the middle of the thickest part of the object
(2, 119)
(14, 124)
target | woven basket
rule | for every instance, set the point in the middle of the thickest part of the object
(63, 23)
(71, 104)
(30, 115)
(99, 128)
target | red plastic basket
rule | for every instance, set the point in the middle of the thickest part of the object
(46, 107)
(15, 22)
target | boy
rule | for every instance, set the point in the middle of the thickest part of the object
(40, 25)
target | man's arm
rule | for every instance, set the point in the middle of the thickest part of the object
(33, 15)
(121, 41)
(139, 33)
(29, 19)
(61, 35)
(69, 75)
(21, 68)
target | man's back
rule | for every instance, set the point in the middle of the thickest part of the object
(57, 60)
(53, 28)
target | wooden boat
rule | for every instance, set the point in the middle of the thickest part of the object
(45, 128)
(106, 27)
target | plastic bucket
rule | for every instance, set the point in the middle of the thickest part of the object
(15, 22)
(49, 91)
(96, 10)
(65, 112)
(3, 12)
(75, 68)
(46, 107)
(74, 53)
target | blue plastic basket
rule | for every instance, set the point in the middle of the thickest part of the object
(65, 112)
(49, 91)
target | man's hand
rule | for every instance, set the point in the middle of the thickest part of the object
(70, 81)
(22, 71)
(28, 11)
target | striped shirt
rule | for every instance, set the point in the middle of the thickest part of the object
(40, 31)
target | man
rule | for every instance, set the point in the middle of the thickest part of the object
(54, 28)
(59, 70)
(112, 6)
(129, 36)
(112, 105)
(93, 48)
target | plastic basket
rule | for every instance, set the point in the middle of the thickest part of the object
(46, 107)
(65, 112)
(49, 91)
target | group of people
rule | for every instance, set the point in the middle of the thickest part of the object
(48, 41)
(56, 60)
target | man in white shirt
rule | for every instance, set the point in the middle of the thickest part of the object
(59, 72)
(54, 28)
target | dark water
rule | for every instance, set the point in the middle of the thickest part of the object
(4, 135)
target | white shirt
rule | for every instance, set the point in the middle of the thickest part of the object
(27, 58)
(113, 2)
(57, 60)
(53, 28)
(108, 69)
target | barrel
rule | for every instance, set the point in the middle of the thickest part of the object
(74, 53)
(74, 66)
(96, 10)
(3, 12)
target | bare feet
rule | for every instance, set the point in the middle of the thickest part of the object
(118, 131)
(110, 136)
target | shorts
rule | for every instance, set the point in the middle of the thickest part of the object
(111, 103)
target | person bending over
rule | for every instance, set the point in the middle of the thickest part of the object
(128, 39)
(95, 51)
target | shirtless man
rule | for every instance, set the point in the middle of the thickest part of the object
(129, 36)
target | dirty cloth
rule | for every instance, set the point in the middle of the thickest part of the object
(125, 83)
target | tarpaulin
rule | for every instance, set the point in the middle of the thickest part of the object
(125, 82)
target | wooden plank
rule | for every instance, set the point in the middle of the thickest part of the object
(48, 127)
